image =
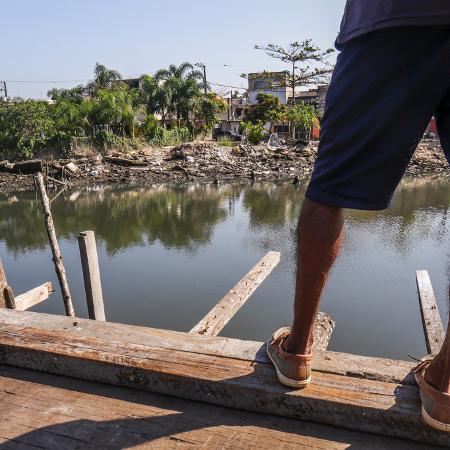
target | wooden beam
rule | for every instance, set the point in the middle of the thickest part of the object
(431, 319)
(381, 369)
(365, 405)
(33, 297)
(214, 322)
(91, 275)
(57, 258)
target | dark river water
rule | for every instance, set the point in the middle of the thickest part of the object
(169, 253)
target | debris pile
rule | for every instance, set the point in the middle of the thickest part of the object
(199, 161)
(429, 159)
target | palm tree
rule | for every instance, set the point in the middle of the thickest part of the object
(183, 71)
(156, 96)
(183, 84)
(103, 79)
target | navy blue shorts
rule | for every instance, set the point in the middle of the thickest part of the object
(385, 88)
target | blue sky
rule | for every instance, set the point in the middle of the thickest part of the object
(63, 39)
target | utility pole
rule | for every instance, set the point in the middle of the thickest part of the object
(202, 66)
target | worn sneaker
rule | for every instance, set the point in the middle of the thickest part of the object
(435, 404)
(292, 370)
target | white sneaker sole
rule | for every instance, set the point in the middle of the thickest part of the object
(285, 380)
(433, 423)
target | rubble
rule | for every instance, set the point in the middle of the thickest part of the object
(429, 159)
(206, 162)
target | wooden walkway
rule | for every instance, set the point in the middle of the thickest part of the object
(43, 411)
(357, 395)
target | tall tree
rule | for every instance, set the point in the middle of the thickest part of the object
(308, 63)
(268, 109)
(184, 83)
(156, 96)
(103, 79)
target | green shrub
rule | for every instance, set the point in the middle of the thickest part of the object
(25, 127)
(254, 132)
(106, 139)
(150, 127)
(225, 141)
(174, 136)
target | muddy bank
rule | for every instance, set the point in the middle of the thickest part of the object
(205, 162)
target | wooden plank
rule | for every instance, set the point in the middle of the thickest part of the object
(431, 319)
(91, 275)
(35, 405)
(382, 408)
(3, 284)
(380, 369)
(214, 322)
(57, 258)
(33, 297)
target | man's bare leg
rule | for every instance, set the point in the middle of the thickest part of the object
(438, 373)
(319, 235)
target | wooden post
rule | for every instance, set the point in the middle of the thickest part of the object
(3, 284)
(10, 301)
(91, 274)
(57, 258)
(6, 292)
(431, 319)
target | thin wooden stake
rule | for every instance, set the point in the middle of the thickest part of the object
(57, 258)
(431, 319)
(91, 274)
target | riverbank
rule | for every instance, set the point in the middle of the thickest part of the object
(206, 162)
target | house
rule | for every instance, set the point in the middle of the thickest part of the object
(273, 83)
(315, 97)
(231, 118)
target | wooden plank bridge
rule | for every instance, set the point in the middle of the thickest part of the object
(63, 378)
(362, 394)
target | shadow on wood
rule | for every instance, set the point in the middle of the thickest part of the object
(69, 417)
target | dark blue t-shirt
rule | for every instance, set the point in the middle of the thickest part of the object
(364, 16)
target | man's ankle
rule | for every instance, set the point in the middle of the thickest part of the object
(296, 345)
(438, 374)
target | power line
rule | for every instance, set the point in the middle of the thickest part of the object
(49, 81)
(226, 85)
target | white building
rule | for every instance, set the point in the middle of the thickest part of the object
(273, 83)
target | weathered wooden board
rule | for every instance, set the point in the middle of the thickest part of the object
(54, 412)
(10, 300)
(323, 330)
(33, 297)
(381, 369)
(214, 322)
(91, 275)
(124, 161)
(3, 284)
(431, 319)
(359, 404)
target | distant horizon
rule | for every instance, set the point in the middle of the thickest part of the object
(58, 44)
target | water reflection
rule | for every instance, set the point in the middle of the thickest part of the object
(173, 251)
(178, 217)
